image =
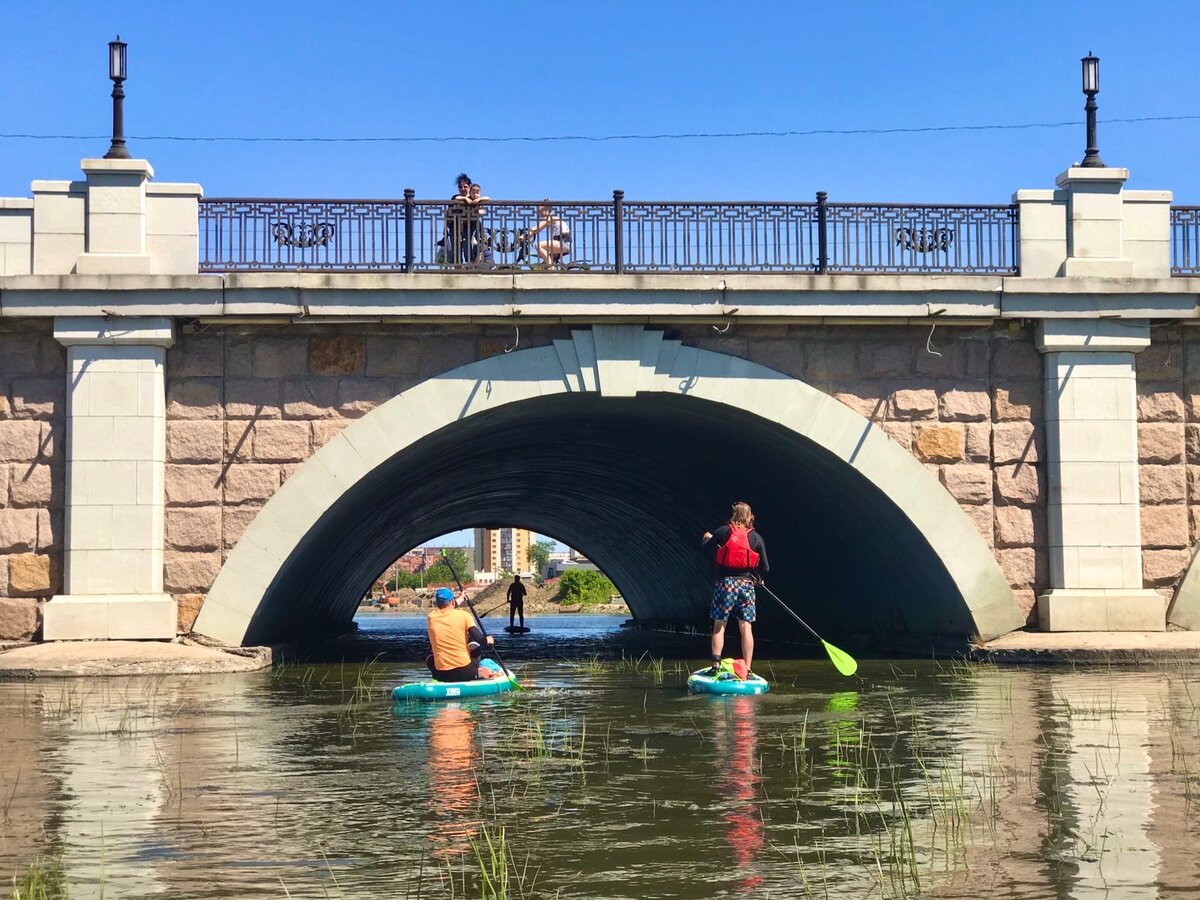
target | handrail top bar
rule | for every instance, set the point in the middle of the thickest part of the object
(794, 203)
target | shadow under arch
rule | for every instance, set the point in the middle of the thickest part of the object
(626, 446)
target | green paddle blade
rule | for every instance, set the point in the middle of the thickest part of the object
(842, 661)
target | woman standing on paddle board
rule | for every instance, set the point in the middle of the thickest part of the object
(740, 558)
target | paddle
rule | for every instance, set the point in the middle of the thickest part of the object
(842, 661)
(478, 621)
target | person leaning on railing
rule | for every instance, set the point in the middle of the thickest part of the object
(455, 245)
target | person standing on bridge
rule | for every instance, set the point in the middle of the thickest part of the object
(740, 558)
(516, 601)
(456, 640)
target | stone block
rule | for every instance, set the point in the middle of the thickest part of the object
(1163, 568)
(36, 485)
(957, 405)
(968, 483)
(358, 396)
(863, 399)
(187, 609)
(1016, 358)
(194, 398)
(938, 443)
(253, 398)
(1194, 523)
(282, 441)
(981, 518)
(391, 357)
(1014, 526)
(1160, 443)
(325, 430)
(188, 573)
(18, 530)
(441, 354)
(236, 519)
(914, 404)
(18, 620)
(784, 357)
(979, 441)
(195, 440)
(1019, 400)
(1019, 565)
(239, 355)
(193, 485)
(1015, 442)
(336, 355)
(900, 432)
(1165, 527)
(50, 529)
(1191, 444)
(29, 575)
(1101, 610)
(196, 356)
(1162, 484)
(20, 440)
(1160, 406)
(826, 361)
(1161, 362)
(280, 357)
(956, 357)
(250, 483)
(1018, 485)
(38, 398)
(886, 360)
(18, 355)
(310, 398)
(239, 440)
(194, 528)
(1192, 403)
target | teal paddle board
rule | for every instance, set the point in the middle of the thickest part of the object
(448, 690)
(701, 683)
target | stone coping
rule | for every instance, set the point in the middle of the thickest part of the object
(1091, 647)
(90, 659)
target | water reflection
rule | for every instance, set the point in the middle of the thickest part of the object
(738, 780)
(921, 780)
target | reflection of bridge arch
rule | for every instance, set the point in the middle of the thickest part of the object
(627, 446)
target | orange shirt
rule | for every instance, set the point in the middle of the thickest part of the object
(448, 628)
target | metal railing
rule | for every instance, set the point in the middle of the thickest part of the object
(1185, 240)
(616, 236)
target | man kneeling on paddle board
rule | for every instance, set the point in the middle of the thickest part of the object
(452, 635)
(741, 561)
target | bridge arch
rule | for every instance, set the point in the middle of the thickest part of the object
(625, 445)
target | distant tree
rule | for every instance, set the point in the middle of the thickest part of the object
(440, 572)
(584, 586)
(539, 556)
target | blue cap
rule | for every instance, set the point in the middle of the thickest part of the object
(442, 596)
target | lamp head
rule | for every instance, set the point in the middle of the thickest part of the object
(116, 59)
(1091, 73)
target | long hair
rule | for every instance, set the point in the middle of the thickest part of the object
(741, 515)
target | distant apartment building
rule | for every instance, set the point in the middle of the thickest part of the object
(499, 550)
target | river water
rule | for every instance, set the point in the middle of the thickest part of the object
(604, 779)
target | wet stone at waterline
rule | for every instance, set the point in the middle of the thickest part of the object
(605, 779)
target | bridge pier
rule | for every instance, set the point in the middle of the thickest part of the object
(1093, 509)
(116, 465)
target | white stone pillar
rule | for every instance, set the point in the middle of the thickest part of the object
(1096, 222)
(115, 236)
(116, 451)
(1095, 545)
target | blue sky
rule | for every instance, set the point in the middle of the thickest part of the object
(521, 68)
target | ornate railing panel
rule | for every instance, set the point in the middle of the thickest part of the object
(1185, 240)
(891, 238)
(412, 235)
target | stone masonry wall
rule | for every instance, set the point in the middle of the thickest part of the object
(247, 406)
(1168, 383)
(32, 473)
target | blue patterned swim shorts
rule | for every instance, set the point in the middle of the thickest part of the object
(729, 592)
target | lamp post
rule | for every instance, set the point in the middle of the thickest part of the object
(1091, 87)
(117, 72)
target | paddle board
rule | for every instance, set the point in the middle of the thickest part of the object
(703, 684)
(516, 629)
(444, 690)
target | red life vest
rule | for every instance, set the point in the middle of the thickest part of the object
(735, 553)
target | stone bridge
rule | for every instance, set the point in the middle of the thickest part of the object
(242, 453)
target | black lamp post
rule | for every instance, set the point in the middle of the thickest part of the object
(1091, 87)
(116, 71)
